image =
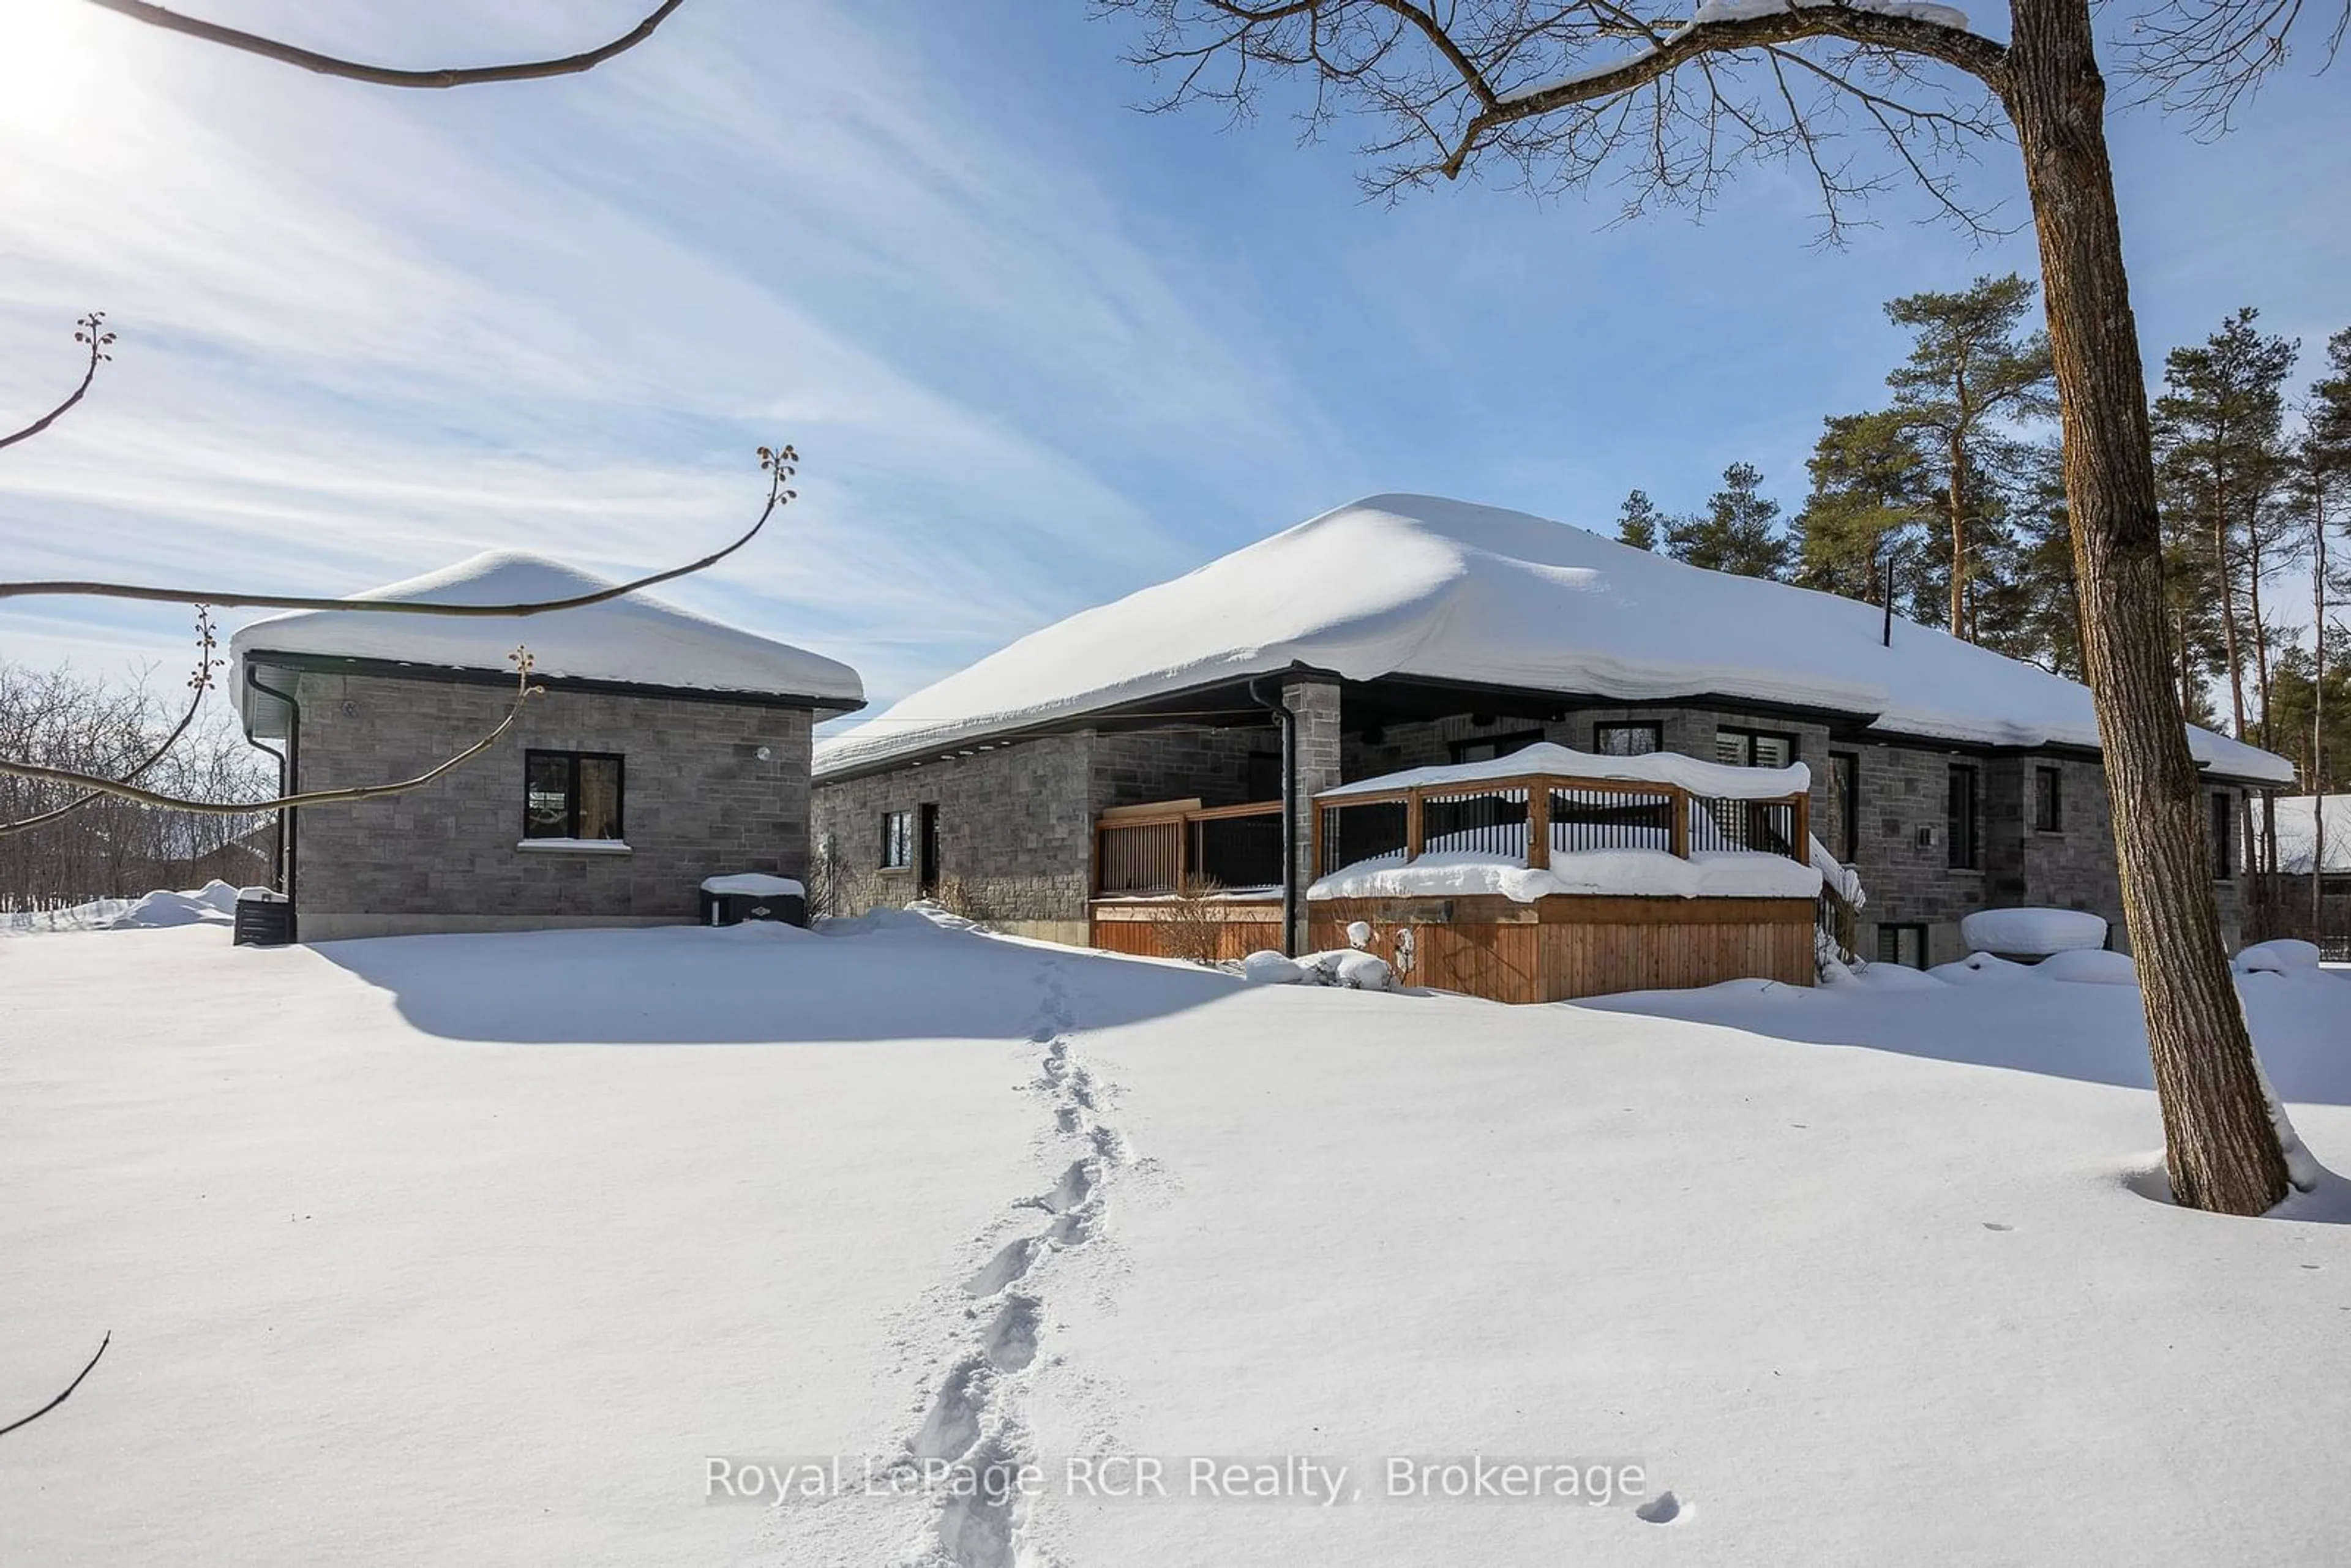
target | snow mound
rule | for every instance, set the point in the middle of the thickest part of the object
(1418, 585)
(754, 884)
(1728, 873)
(215, 904)
(1344, 968)
(636, 638)
(2283, 956)
(1976, 968)
(2033, 932)
(2089, 967)
(1546, 759)
(921, 917)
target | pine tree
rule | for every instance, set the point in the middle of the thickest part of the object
(1872, 497)
(1971, 373)
(1737, 532)
(2221, 459)
(1639, 523)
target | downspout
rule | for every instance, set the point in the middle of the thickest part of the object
(288, 769)
(1289, 721)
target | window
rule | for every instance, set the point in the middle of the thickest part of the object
(1627, 739)
(2225, 837)
(1959, 818)
(2048, 801)
(1495, 746)
(1905, 945)
(897, 839)
(1844, 804)
(571, 794)
(1262, 780)
(1754, 747)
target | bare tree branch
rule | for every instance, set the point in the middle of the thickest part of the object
(28, 1420)
(90, 329)
(199, 682)
(524, 692)
(2206, 58)
(780, 464)
(382, 76)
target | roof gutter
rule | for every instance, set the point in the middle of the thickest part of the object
(1289, 890)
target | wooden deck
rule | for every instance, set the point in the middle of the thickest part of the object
(1555, 949)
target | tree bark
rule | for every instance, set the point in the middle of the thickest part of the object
(2221, 1148)
(1958, 503)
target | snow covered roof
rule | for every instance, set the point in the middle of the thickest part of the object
(1418, 585)
(635, 639)
(2297, 832)
(1717, 781)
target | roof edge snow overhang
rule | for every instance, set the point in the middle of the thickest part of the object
(455, 674)
(1405, 696)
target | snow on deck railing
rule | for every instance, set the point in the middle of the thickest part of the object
(1548, 799)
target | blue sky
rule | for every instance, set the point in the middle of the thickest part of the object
(1037, 349)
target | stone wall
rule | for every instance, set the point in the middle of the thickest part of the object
(697, 800)
(1016, 835)
(1016, 822)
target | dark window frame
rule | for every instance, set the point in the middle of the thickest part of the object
(897, 840)
(1654, 730)
(1751, 735)
(1894, 930)
(571, 761)
(2052, 820)
(1849, 848)
(1963, 831)
(1504, 744)
(2224, 836)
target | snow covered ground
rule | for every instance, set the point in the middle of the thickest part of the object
(484, 1248)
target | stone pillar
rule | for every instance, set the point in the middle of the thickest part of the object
(1314, 760)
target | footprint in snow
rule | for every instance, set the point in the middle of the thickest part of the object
(1996, 1225)
(1011, 1260)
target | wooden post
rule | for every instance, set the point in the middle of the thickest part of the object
(1803, 847)
(1314, 837)
(1187, 852)
(1538, 824)
(1415, 826)
(1678, 799)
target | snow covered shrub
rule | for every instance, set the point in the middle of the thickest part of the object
(966, 899)
(2283, 956)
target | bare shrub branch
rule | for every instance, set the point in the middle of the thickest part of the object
(383, 75)
(780, 463)
(199, 682)
(28, 1420)
(90, 329)
(117, 787)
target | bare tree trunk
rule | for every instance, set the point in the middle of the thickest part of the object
(2221, 1148)
(2228, 579)
(1959, 504)
(2316, 782)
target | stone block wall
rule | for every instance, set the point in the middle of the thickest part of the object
(697, 800)
(1016, 834)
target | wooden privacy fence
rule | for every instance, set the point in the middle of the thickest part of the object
(1540, 814)
(1171, 845)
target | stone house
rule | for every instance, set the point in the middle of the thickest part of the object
(1404, 631)
(666, 749)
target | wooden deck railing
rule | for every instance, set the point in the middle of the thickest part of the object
(1170, 845)
(1541, 811)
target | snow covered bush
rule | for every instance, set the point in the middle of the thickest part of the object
(2283, 956)
(1347, 968)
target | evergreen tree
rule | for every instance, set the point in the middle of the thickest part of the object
(1739, 531)
(2222, 462)
(1870, 497)
(1639, 523)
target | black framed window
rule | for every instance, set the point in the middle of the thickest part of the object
(1636, 739)
(897, 839)
(571, 795)
(2048, 801)
(1959, 818)
(1490, 747)
(2225, 837)
(1844, 804)
(1905, 945)
(1262, 777)
(1754, 747)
